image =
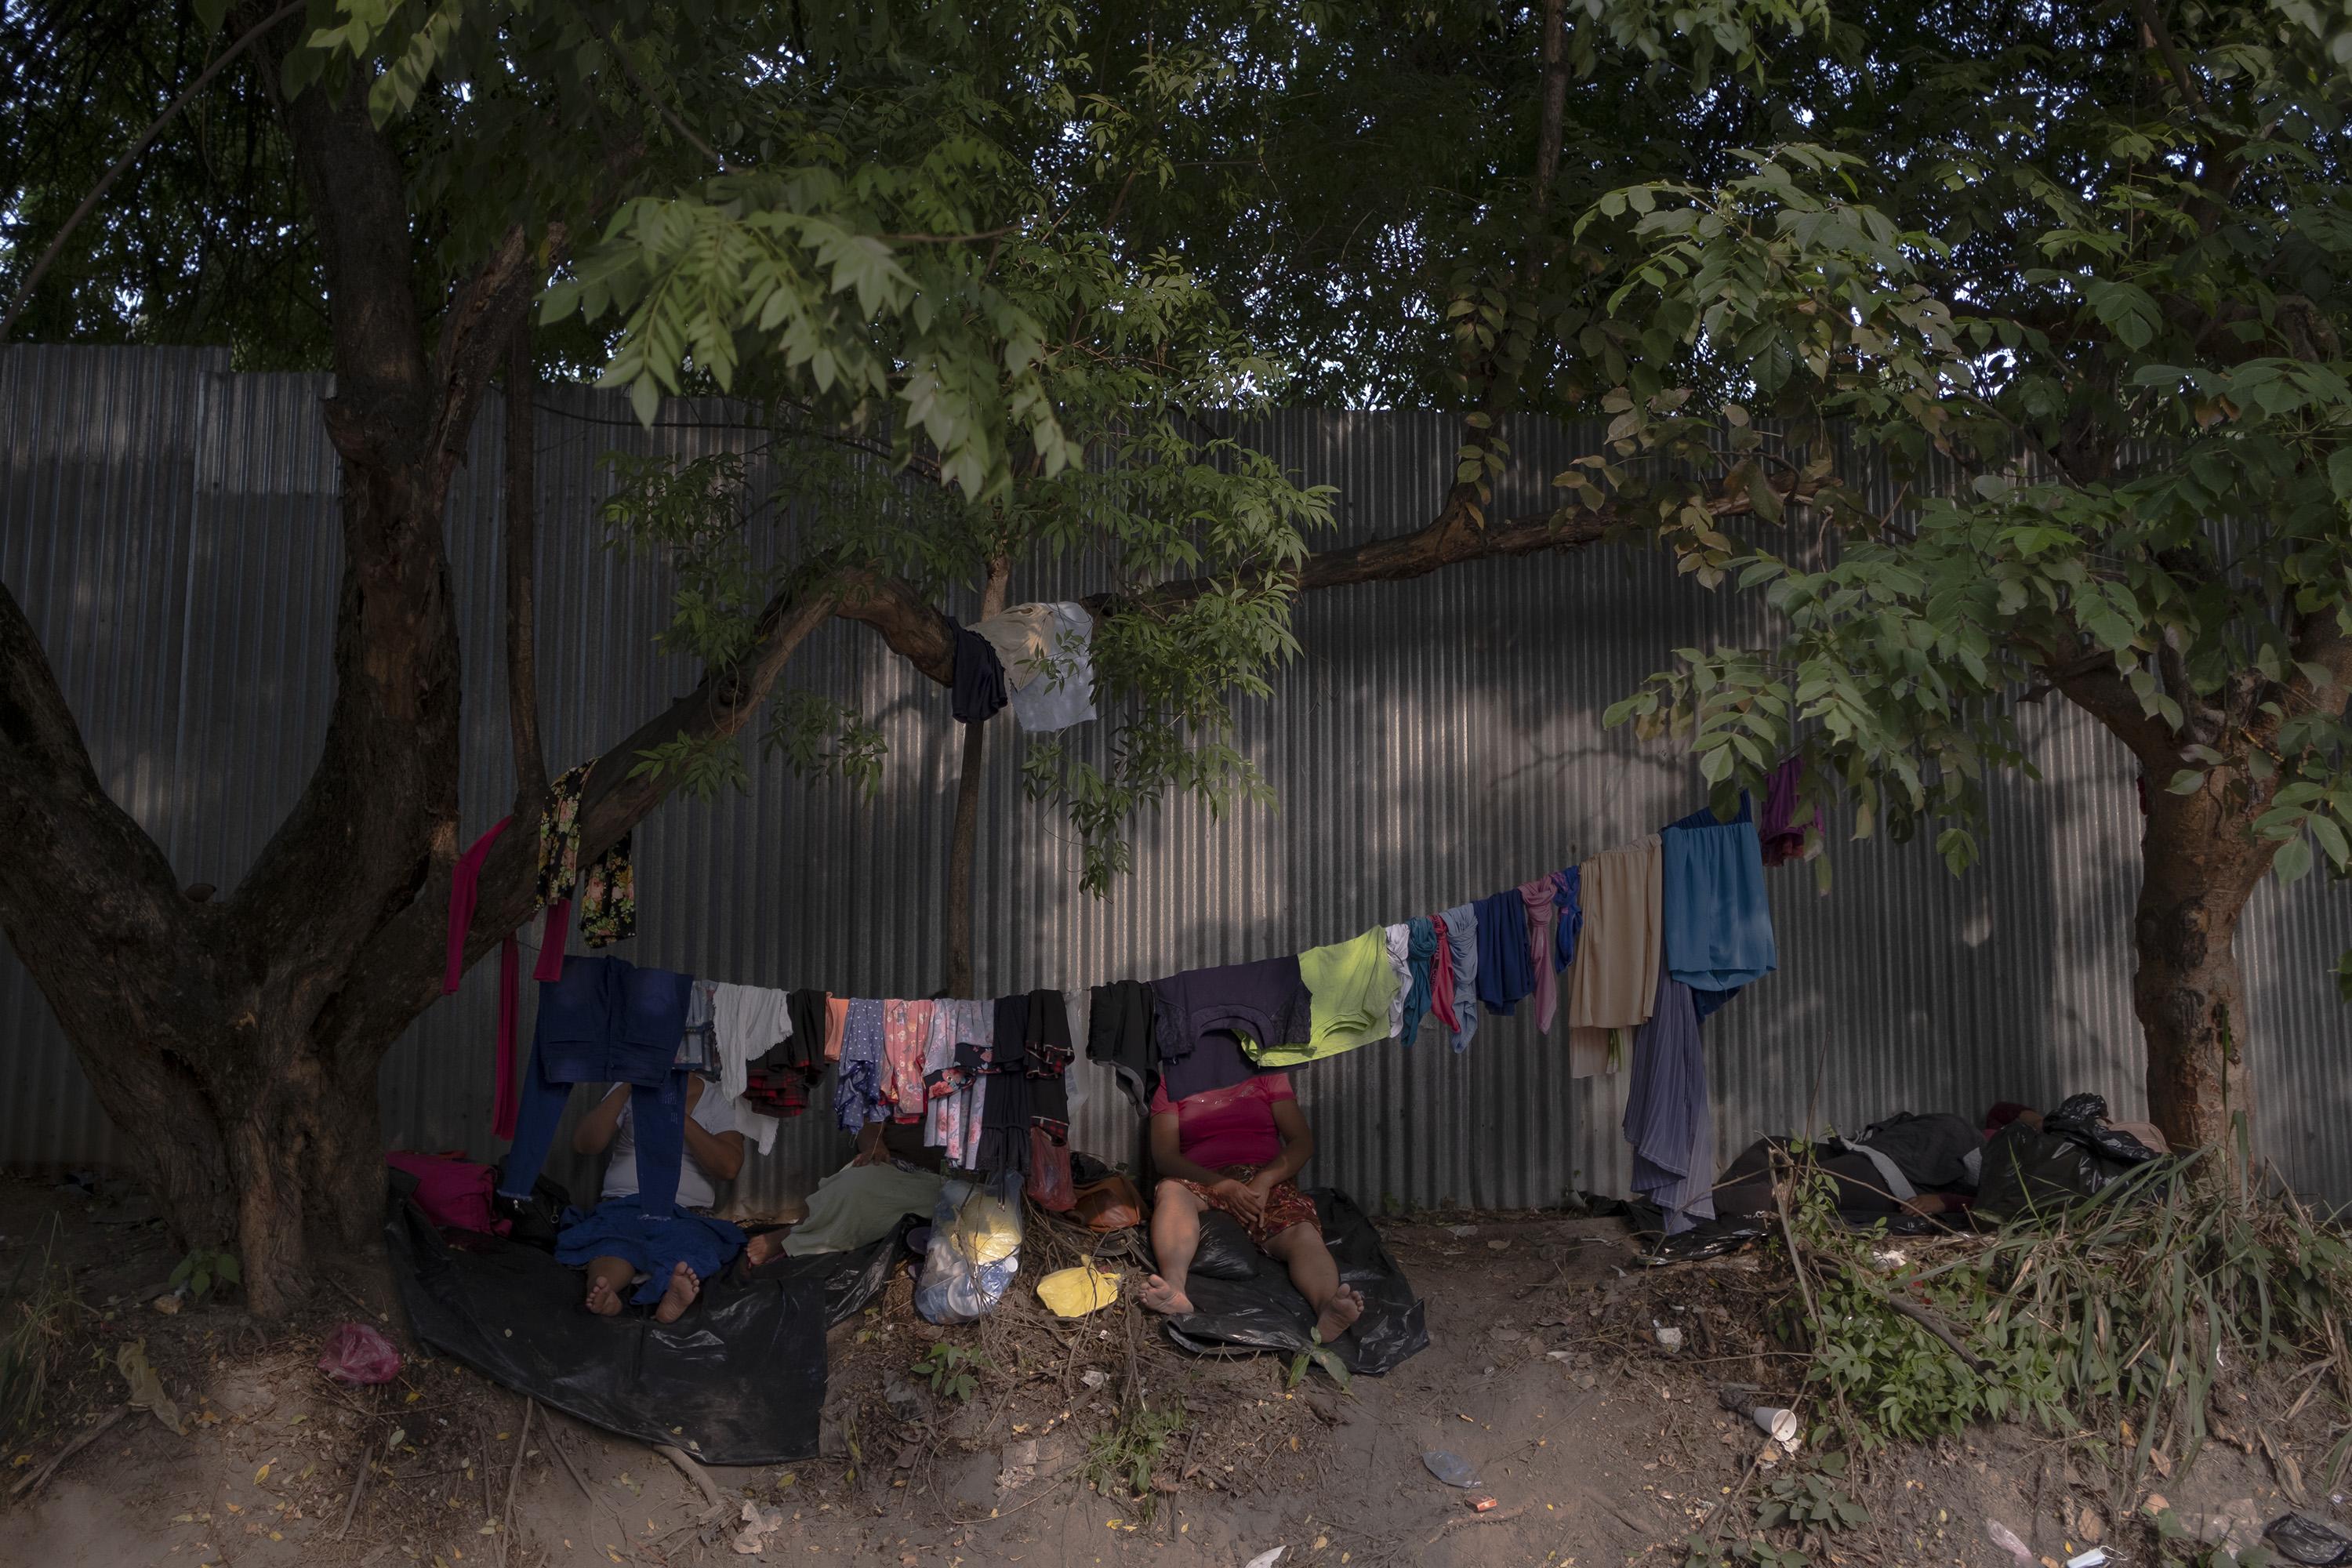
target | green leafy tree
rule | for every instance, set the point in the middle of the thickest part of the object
(2095, 301)
(994, 276)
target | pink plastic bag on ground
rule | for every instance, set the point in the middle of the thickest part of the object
(357, 1355)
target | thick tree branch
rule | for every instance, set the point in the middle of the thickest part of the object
(396, 975)
(2097, 687)
(920, 634)
(963, 847)
(359, 197)
(381, 804)
(72, 845)
(2159, 37)
(480, 328)
(916, 631)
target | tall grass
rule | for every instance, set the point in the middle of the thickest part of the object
(2119, 1315)
(37, 1312)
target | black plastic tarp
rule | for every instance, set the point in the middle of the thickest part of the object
(738, 1380)
(1243, 1299)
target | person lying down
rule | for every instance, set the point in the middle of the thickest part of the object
(629, 1258)
(1239, 1150)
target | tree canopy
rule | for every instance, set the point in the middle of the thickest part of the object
(1004, 280)
(2095, 303)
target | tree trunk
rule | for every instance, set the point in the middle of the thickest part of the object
(2200, 864)
(964, 849)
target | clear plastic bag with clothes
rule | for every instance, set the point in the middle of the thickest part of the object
(975, 1249)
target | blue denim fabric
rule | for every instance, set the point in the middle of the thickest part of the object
(607, 1021)
(658, 1114)
(654, 1245)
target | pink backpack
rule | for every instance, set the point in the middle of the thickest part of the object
(453, 1191)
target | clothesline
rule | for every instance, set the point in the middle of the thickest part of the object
(1648, 938)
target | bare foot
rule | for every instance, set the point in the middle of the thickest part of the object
(1161, 1297)
(764, 1248)
(601, 1299)
(683, 1289)
(1339, 1313)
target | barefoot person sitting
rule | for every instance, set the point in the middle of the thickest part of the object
(892, 1175)
(713, 1153)
(1238, 1150)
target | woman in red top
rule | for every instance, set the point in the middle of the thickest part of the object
(1239, 1150)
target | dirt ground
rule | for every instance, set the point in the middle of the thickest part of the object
(1597, 1445)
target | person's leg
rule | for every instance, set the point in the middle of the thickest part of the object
(608, 1284)
(685, 1285)
(1316, 1276)
(1175, 1237)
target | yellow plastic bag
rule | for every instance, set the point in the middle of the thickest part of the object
(1075, 1292)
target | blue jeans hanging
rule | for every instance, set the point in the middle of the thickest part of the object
(607, 1021)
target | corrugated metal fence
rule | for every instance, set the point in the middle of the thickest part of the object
(169, 526)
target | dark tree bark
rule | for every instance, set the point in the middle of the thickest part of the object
(963, 848)
(2200, 861)
(2199, 866)
(237, 1041)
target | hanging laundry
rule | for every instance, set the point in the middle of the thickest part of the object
(906, 1037)
(694, 1190)
(1004, 1117)
(836, 1025)
(1462, 938)
(1667, 1117)
(465, 894)
(1441, 976)
(777, 1081)
(1051, 1051)
(1422, 950)
(773, 1094)
(1349, 985)
(1569, 908)
(1049, 1057)
(857, 1085)
(1399, 938)
(978, 680)
(607, 1021)
(698, 1049)
(1717, 920)
(809, 1011)
(1786, 819)
(1118, 1036)
(1708, 998)
(1613, 982)
(1049, 698)
(1022, 638)
(1266, 1001)
(748, 1022)
(1591, 1052)
(1541, 909)
(961, 1031)
(1505, 974)
(1217, 1062)
(606, 891)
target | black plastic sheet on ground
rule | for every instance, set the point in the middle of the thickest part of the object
(738, 1380)
(1243, 1299)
